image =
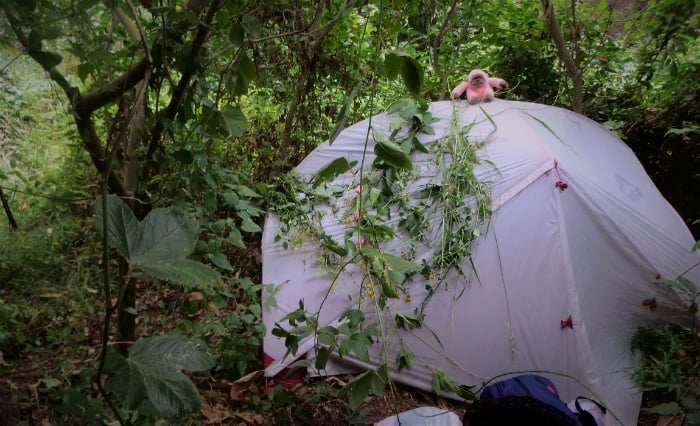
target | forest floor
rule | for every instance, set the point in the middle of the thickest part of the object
(28, 397)
(39, 381)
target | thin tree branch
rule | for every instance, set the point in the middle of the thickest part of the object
(564, 54)
(203, 32)
(8, 212)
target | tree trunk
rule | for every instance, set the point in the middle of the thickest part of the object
(569, 63)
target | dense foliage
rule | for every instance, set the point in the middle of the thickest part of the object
(192, 112)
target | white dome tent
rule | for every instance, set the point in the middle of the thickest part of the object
(556, 279)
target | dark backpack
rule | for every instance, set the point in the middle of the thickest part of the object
(525, 399)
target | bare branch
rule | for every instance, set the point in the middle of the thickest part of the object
(566, 57)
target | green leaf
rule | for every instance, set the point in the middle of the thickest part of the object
(466, 392)
(693, 419)
(233, 121)
(389, 289)
(354, 316)
(34, 42)
(666, 409)
(390, 152)
(383, 373)
(400, 264)
(442, 381)
(359, 389)
(127, 380)
(236, 35)
(397, 63)
(342, 117)
(165, 234)
(251, 25)
(122, 226)
(248, 225)
(333, 246)
(24, 7)
(357, 343)
(153, 373)
(46, 59)
(407, 321)
(405, 358)
(221, 261)
(245, 73)
(331, 170)
(244, 191)
(690, 404)
(189, 273)
(235, 238)
(696, 245)
(322, 358)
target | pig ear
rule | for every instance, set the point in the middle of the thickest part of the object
(458, 91)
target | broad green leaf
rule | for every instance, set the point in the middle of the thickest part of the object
(46, 59)
(34, 42)
(322, 358)
(334, 168)
(251, 25)
(405, 358)
(24, 7)
(389, 287)
(236, 35)
(390, 152)
(127, 380)
(245, 73)
(328, 336)
(693, 419)
(379, 379)
(165, 234)
(690, 404)
(442, 381)
(406, 321)
(354, 316)
(397, 63)
(392, 262)
(333, 246)
(248, 225)
(400, 264)
(666, 409)
(418, 146)
(392, 66)
(153, 372)
(466, 392)
(244, 191)
(357, 343)
(359, 389)
(235, 238)
(255, 309)
(696, 245)
(122, 226)
(221, 261)
(189, 273)
(233, 120)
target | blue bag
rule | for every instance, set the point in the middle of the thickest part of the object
(525, 399)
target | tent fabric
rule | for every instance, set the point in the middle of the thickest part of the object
(589, 250)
